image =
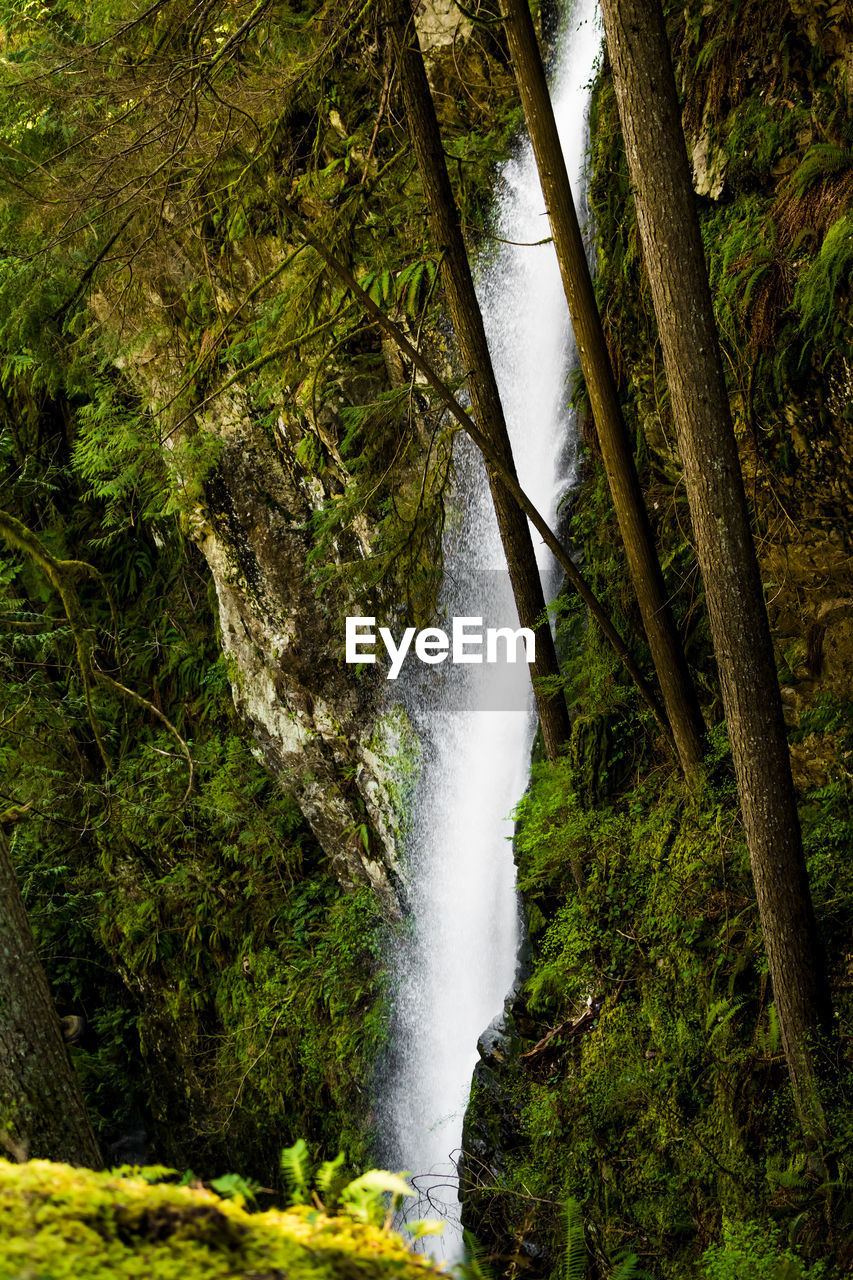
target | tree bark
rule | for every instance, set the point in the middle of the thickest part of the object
(679, 695)
(42, 1113)
(471, 336)
(669, 229)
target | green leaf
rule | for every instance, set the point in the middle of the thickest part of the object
(328, 1174)
(363, 1198)
(378, 1181)
(231, 1185)
(424, 1227)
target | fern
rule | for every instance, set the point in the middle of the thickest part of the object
(628, 1269)
(296, 1171)
(719, 1016)
(575, 1245)
(818, 292)
(328, 1173)
(769, 1040)
(330, 1180)
(414, 284)
(476, 1265)
(364, 1198)
(822, 160)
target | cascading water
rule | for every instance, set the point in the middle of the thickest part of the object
(459, 960)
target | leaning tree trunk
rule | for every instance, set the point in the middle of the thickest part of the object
(471, 336)
(672, 244)
(679, 695)
(42, 1113)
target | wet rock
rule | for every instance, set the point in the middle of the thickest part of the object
(495, 1044)
(492, 1133)
(594, 750)
(311, 721)
(533, 1252)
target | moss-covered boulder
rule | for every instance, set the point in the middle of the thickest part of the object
(60, 1222)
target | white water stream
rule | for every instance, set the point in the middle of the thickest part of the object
(460, 958)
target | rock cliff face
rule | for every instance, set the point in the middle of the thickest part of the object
(312, 720)
(441, 23)
(319, 729)
(249, 505)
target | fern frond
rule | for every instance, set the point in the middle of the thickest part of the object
(627, 1269)
(575, 1245)
(477, 1265)
(328, 1174)
(296, 1171)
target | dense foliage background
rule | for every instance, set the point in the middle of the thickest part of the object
(157, 305)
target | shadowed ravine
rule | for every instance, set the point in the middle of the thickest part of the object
(458, 963)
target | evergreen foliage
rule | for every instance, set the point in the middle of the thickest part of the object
(154, 290)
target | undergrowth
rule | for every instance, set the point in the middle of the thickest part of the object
(645, 1078)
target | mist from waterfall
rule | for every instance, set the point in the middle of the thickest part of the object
(458, 961)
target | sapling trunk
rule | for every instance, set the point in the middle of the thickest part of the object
(679, 694)
(471, 336)
(487, 449)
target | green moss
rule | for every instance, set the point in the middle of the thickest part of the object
(821, 295)
(650, 1083)
(61, 1222)
(749, 1249)
(664, 1105)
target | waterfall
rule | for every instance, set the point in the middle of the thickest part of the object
(459, 958)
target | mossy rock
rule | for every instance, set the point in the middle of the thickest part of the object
(62, 1222)
(595, 756)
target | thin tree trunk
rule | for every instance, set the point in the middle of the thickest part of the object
(487, 449)
(42, 1113)
(679, 695)
(471, 336)
(672, 244)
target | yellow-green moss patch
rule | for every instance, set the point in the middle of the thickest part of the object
(60, 1222)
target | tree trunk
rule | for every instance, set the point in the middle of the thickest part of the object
(672, 244)
(42, 1113)
(471, 336)
(679, 695)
